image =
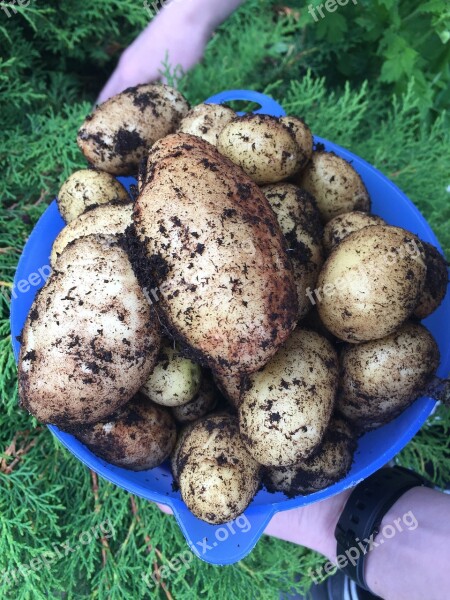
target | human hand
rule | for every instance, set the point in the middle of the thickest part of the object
(176, 34)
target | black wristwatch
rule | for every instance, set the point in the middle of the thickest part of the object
(362, 515)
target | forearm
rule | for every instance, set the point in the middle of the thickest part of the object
(210, 13)
(411, 563)
(415, 562)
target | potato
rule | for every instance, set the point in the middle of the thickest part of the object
(217, 476)
(175, 380)
(174, 458)
(207, 121)
(299, 219)
(371, 283)
(379, 379)
(263, 146)
(303, 137)
(202, 403)
(138, 437)
(329, 465)
(286, 410)
(231, 386)
(107, 219)
(87, 188)
(206, 237)
(436, 282)
(90, 339)
(121, 131)
(341, 226)
(335, 185)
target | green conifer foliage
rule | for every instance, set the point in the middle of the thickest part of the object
(53, 58)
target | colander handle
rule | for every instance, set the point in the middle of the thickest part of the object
(268, 105)
(222, 544)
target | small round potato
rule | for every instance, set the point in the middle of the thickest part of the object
(121, 131)
(436, 282)
(217, 476)
(111, 219)
(207, 121)
(299, 220)
(342, 226)
(86, 188)
(371, 283)
(175, 380)
(335, 185)
(286, 410)
(379, 379)
(174, 458)
(139, 437)
(303, 136)
(330, 464)
(202, 403)
(263, 146)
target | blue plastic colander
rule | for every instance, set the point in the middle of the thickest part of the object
(229, 543)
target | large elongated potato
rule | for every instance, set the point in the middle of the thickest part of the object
(286, 409)
(87, 188)
(263, 146)
(371, 283)
(121, 131)
(299, 219)
(109, 219)
(140, 436)
(330, 464)
(379, 379)
(217, 476)
(90, 340)
(335, 185)
(207, 121)
(207, 238)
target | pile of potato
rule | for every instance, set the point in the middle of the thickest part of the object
(244, 314)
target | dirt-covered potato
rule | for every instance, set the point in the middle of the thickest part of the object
(303, 137)
(87, 188)
(436, 282)
(287, 405)
(329, 465)
(182, 435)
(342, 226)
(206, 237)
(138, 437)
(106, 219)
(121, 131)
(231, 386)
(217, 476)
(90, 340)
(202, 403)
(207, 121)
(371, 283)
(299, 220)
(335, 185)
(263, 146)
(175, 379)
(379, 379)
